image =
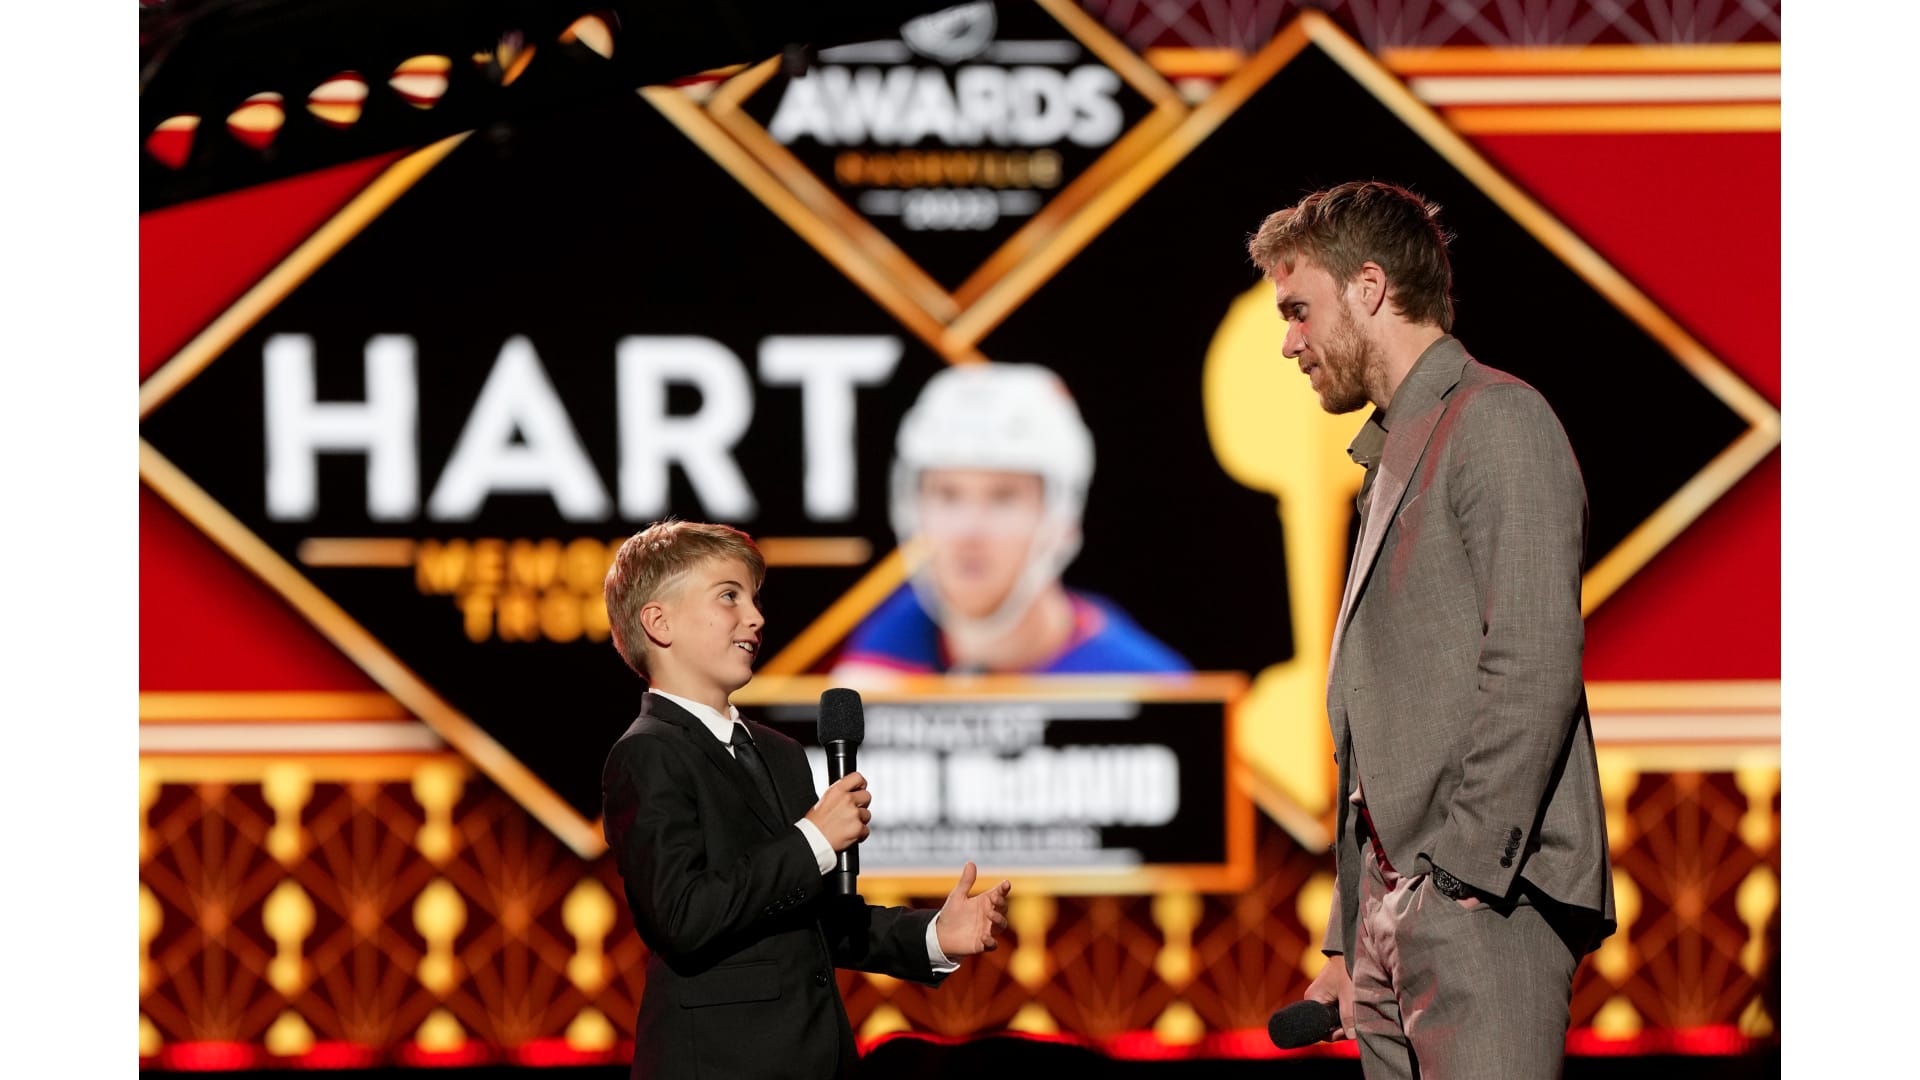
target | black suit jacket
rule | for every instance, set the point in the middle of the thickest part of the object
(742, 934)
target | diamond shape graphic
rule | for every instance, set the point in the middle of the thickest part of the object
(1737, 426)
(1027, 131)
(1618, 369)
(1019, 314)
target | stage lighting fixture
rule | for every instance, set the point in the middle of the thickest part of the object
(258, 119)
(199, 57)
(338, 102)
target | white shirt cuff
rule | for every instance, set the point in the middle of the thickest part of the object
(941, 965)
(817, 840)
(823, 857)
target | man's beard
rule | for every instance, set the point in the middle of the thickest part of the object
(1350, 362)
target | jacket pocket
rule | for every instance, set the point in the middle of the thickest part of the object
(731, 984)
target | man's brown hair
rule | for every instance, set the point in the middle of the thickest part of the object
(653, 563)
(1342, 227)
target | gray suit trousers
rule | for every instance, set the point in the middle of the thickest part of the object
(1443, 991)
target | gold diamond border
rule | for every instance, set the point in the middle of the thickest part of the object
(1313, 28)
(955, 342)
(861, 250)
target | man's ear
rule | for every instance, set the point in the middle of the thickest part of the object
(1369, 288)
(653, 620)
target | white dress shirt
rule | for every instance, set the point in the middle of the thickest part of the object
(823, 853)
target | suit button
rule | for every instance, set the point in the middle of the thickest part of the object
(1515, 833)
(820, 978)
(1506, 861)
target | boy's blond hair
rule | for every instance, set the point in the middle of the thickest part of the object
(651, 565)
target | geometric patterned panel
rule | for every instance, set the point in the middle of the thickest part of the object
(1246, 25)
(424, 917)
(1704, 892)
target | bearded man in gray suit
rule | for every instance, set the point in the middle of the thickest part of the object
(1471, 853)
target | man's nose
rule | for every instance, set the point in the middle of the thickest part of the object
(1295, 344)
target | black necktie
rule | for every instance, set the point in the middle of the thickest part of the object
(748, 755)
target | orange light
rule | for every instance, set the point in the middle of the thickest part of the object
(258, 119)
(508, 60)
(421, 81)
(172, 141)
(338, 101)
(591, 31)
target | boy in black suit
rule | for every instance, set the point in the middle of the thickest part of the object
(722, 844)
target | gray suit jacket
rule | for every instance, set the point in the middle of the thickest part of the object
(1454, 690)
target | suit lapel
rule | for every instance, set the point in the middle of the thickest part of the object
(717, 755)
(791, 772)
(1407, 443)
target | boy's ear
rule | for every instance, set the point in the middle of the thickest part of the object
(653, 620)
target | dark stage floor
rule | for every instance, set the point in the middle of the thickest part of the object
(1006, 1057)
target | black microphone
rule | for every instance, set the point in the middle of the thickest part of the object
(842, 726)
(1304, 1023)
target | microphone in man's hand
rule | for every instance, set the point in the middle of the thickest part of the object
(842, 726)
(1304, 1023)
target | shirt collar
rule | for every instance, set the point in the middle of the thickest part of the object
(1413, 397)
(1366, 447)
(721, 727)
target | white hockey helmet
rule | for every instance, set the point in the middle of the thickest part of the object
(1005, 417)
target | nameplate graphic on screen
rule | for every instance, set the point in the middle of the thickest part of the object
(1079, 780)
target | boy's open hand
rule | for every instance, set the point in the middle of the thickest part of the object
(841, 815)
(966, 924)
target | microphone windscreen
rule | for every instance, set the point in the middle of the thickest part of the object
(841, 719)
(1303, 1023)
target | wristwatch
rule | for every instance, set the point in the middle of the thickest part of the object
(1449, 886)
